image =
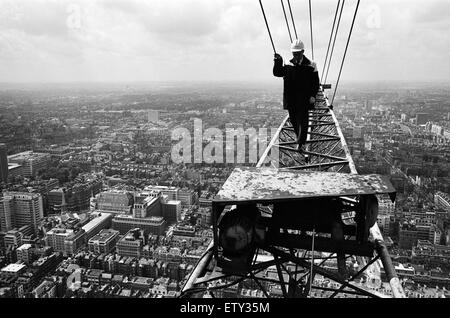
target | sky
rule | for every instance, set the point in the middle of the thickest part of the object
(216, 40)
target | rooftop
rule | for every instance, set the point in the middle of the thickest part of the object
(24, 247)
(100, 217)
(262, 184)
(13, 268)
(26, 155)
(104, 235)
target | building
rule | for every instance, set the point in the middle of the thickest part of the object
(3, 163)
(151, 225)
(442, 200)
(31, 162)
(187, 197)
(14, 269)
(422, 118)
(77, 198)
(47, 289)
(146, 206)
(99, 221)
(385, 205)
(205, 199)
(115, 201)
(57, 152)
(204, 216)
(171, 211)
(170, 192)
(18, 209)
(75, 242)
(407, 238)
(25, 253)
(14, 170)
(66, 241)
(104, 241)
(13, 238)
(131, 244)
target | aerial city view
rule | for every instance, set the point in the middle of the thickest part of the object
(126, 126)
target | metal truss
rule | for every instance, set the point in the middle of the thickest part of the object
(290, 269)
(326, 149)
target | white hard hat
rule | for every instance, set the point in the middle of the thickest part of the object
(297, 46)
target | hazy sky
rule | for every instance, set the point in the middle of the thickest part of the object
(147, 40)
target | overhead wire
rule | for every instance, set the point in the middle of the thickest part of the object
(334, 41)
(329, 41)
(267, 25)
(286, 19)
(345, 52)
(311, 30)
(292, 18)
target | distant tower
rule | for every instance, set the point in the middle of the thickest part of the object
(19, 209)
(3, 163)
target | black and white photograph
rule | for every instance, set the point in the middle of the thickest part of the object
(221, 156)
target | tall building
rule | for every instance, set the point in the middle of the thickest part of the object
(30, 161)
(171, 211)
(18, 209)
(3, 163)
(146, 206)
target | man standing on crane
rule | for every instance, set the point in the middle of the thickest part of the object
(301, 84)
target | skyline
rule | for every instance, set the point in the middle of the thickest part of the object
(198, 40)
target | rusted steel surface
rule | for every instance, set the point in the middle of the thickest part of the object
(249, 184)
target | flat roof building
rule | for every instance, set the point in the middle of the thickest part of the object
(171, 211)
(115, 201)
(30, 161)
(14, 269)
(131, 244)
(104, 241)
(100, 221)
(151, 225)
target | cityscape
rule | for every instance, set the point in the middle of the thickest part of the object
(89, 188)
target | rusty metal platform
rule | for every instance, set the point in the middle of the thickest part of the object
(270, 184)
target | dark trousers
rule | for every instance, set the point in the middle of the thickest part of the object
(299, 118)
